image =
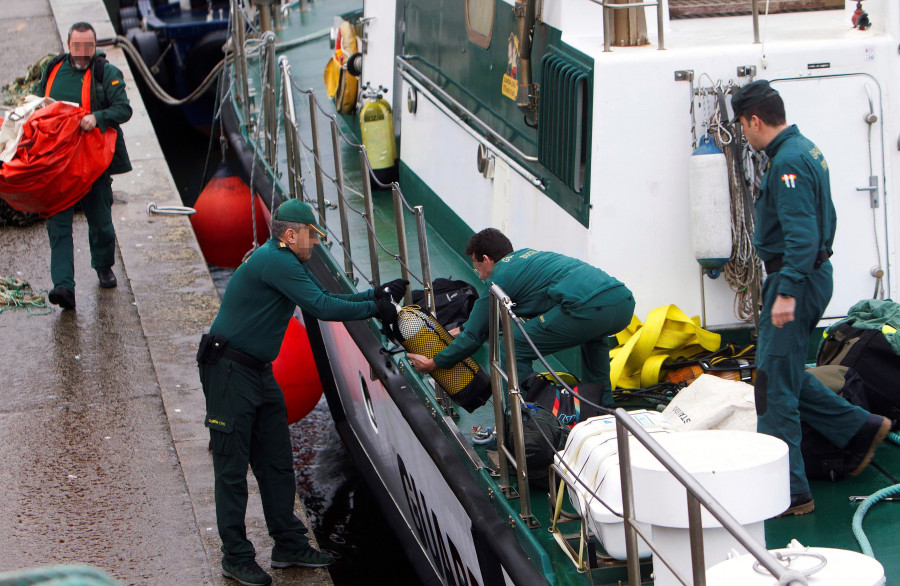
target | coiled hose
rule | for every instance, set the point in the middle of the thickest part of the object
(867, 504)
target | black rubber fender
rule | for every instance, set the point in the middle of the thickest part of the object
(200, 60)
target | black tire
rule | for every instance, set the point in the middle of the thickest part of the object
(129, 23)
(147, 45)
(201, 58)
(354, 64)
(129, 18)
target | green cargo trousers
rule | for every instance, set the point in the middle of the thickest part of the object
(588, 326)
(247, 421)
(785, 391)
(97, 205)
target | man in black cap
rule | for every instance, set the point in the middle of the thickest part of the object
(795, 226)
(245, 409)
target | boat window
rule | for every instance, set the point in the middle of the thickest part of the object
(480, 21)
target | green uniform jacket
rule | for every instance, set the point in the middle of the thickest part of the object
(536, 282)
(262, 294)
(795, 217)
(109, 101)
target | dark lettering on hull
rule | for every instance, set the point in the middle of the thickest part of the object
(443, 550)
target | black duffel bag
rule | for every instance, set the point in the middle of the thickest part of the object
(871, 356)
(453, 300)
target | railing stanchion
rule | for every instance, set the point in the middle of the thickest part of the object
(695, 529)
(317, 156)
(497, 394)
(270, 100)
(515, 411)
(240, 59)
(755, 9)
(342, 204)
(291, 132)
(423, 254)
(402, 250)
(370, 215)
(631, 537)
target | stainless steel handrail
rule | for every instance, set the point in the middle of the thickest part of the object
(294, 144)
(489, 138)
(501, 312)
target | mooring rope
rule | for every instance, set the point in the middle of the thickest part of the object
(16, 293)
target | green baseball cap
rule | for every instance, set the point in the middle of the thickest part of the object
(300, 212)
(750, 95)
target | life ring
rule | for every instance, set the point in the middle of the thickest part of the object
(341, 85)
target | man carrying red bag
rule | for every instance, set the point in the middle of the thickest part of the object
(83, 76)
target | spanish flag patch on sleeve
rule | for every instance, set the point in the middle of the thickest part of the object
(115, 82)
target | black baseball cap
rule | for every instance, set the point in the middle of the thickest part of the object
(750, 95)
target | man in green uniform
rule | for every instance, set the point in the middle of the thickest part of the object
(65, 79)
(245, 408)
(795, 226)
(571, 302)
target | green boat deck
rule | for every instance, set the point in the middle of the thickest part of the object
(828, 526)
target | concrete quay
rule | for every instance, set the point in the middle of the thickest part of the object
(105, 458)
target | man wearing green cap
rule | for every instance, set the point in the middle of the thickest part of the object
(795, 226)
(246, 413)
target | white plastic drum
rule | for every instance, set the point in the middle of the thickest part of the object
(842, 568)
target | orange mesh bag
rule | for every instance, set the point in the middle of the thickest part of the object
(56, 162)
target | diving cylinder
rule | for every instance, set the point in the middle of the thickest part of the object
(466, 382)
(710, 206)
(376, 124)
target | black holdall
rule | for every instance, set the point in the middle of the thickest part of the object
(871, 356)
(822, 459)
(453, 300)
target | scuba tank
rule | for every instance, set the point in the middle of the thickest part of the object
(710, 206)
(376, 124)
(466, 382)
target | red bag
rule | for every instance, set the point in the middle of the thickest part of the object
(56, 162)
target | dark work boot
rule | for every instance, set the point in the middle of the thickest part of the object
(862, 445)
(63, 297)
(801, 504)
(107, 278)
(305, 557)
(246, 573)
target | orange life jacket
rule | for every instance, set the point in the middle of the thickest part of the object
(85, 86)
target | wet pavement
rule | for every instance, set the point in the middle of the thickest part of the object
(104, 455)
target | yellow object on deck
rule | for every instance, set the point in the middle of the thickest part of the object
(667, 335)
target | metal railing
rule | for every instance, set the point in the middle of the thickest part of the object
(254, 60)
(503, 318)
(609, 7)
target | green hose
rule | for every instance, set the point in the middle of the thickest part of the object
(868, 503)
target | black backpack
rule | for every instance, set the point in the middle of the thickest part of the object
(822, 459)
(544, 435)
(872, 357)
(453, 300)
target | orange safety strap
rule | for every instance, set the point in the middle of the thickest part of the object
(85, 86)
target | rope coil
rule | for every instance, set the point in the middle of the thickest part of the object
(17, 293)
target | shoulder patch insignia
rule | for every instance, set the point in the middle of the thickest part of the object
(815, 152)
(114, 82)
(789, 180)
